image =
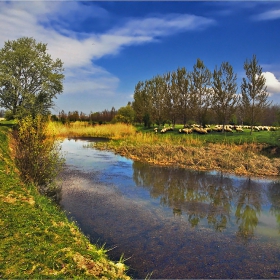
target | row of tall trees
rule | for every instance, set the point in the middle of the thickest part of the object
(197, 95)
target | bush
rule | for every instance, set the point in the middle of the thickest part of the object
(37, 154)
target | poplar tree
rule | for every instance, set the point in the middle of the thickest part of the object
(254, 91)
(200, 91)
(224, 97)
(180, 92)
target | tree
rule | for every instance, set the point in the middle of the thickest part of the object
(200, 91)
(157, 92)
(142, 104)
(224, 98)
(125, 115)
(180, 82)
(254, 93)
(29, 78)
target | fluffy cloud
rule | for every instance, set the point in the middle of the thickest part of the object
(272, 83)
(55, 23)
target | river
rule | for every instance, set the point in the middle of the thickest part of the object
(170, 222)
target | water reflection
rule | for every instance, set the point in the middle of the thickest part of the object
(216, 199)
(173, 222)
(274, 196)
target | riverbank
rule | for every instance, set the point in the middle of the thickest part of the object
(239, 154)
(37, 239)
(235, 159)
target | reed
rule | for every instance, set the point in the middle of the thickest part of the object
(82, 129)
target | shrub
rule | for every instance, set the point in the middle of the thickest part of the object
(37, 154)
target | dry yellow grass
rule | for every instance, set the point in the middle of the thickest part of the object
(81, 129)
(231, 158)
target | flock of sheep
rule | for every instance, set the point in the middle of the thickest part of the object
(218, 128)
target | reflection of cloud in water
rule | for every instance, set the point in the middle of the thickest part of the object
(87, 159)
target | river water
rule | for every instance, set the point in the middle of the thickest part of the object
(171, 222)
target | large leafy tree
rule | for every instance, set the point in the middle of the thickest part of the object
(224, 97)
(29, 78)
(125, 114)
(254, 92)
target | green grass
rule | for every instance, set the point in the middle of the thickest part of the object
(37, 239)
(262, 137)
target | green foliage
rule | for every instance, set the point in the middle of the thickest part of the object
(29, 78)
(125, 115)
(37, 154)
(147, 120)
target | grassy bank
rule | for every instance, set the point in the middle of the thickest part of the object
(237, 153)
(37, 240)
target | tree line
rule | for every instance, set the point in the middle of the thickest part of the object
(30, 80)
(202, 96)
(93, 117)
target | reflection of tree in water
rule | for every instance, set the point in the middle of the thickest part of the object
(248, 206)
(198, 194)
(274, 196)
(201, 195)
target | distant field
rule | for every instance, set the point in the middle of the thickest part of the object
(263, 137)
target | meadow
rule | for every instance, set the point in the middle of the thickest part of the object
(239, 153)
(37, 239)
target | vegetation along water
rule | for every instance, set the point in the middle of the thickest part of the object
(37, 239)
(172, 121)
(237, 153)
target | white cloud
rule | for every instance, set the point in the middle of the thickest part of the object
(51, 22)
(164, 25)
(272, 83)
(93, 80)
(269, 15)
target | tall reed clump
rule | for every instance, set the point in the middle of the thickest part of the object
(37, 154)
(82, 129)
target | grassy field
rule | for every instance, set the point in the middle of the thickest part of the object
(37, 239)
(263, 137)
(121, 131)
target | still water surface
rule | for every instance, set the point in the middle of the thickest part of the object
(171, 222)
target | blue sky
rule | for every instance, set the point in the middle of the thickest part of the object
(107, 47)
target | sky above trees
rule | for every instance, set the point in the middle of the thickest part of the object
(108, 47)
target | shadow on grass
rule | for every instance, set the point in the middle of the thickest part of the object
(10, 124)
